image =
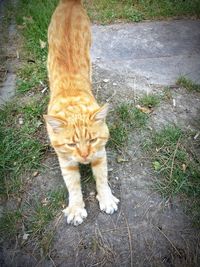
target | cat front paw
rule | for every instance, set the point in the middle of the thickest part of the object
(108, 203)
(75, 214)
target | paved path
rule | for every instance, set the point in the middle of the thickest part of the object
(157, 51)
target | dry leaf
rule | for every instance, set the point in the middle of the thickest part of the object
(120, 159)
(184, 167)
(35, 173)
(44, 90)
(28, 19)
(144, 109)
(196, 135)
(39, 123)
(42, 44)
(44, 201)
(17, 54)
(21, 27)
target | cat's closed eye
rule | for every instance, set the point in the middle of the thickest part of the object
(92, 141)
(71, 144)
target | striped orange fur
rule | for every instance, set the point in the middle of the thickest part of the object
(75, 122)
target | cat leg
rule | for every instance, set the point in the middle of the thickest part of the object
(107, 201)
(75, 211)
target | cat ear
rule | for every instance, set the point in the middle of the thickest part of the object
(56, 123)
(101, 113)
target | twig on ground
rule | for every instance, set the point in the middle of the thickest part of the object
(109, 98)
(168, 240)
(174, 155)
(130, 240)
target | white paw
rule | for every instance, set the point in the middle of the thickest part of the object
(108, 203)
(75, 214)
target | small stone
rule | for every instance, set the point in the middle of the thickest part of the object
(25, 236)
(92, 193)
(117, 178)
(106, 80)
(21, 121)
(114, 84)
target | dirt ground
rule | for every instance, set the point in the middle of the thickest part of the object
(147, 230)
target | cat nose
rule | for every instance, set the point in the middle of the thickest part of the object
(84, 154)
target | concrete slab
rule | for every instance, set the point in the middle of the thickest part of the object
(157, 51)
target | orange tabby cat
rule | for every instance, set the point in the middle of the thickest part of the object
(75, 122)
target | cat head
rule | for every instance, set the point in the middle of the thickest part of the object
(79, 137)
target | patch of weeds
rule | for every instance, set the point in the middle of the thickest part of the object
(10, 223)
(150, 100)
(30, 77)
(118, 135)
(33, 218)
(20, 149)
(86, 173)
(33, 21)
(167, 94)
(132, 116)
(109, 11)
(46, 242)
(128, 119)
(104, 11)
(178, 172)
(40, 212)
(188, 84)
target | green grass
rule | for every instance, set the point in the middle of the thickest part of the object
(178, 171)
(103, 11)
(128, 118)
(86, 173)
(10, 223)
(30, 76)
(33, 20)
(33, 216)
(150, 100)
(41, 212)
(20, 148)
(188, 84)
